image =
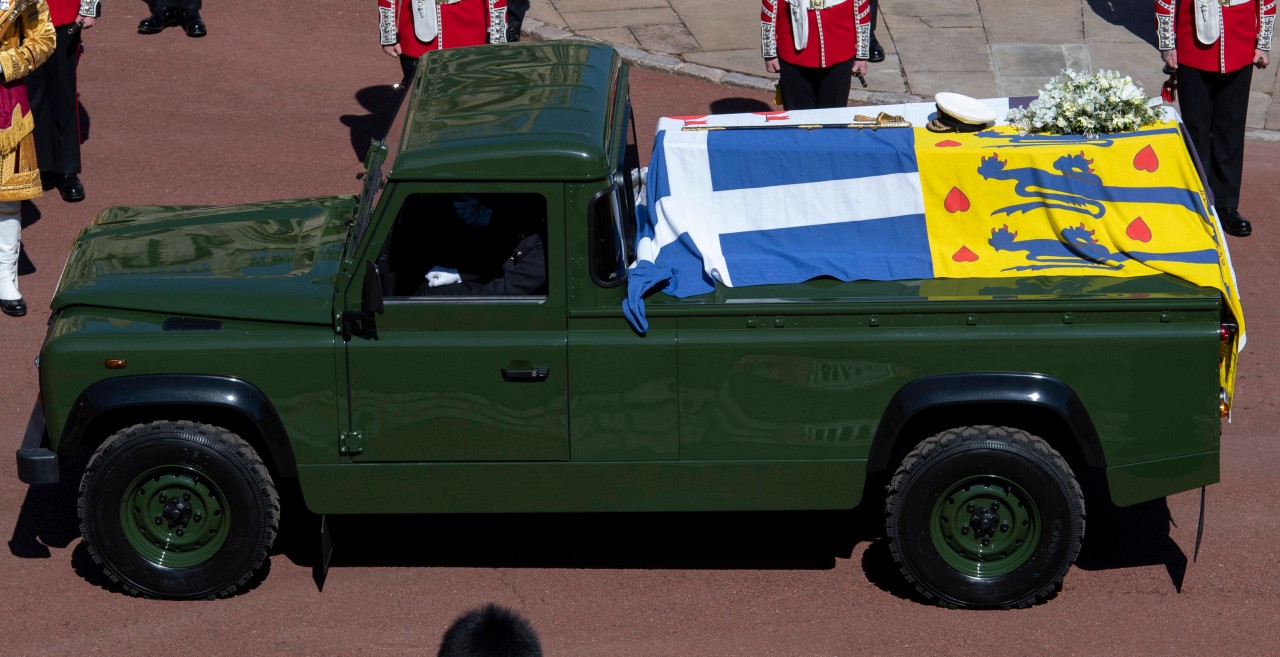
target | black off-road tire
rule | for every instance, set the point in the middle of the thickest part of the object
(178, 510)
(985, 516)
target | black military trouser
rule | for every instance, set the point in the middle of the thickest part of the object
(186, 5)
(803, 87)
(51, 88)
(1214, 107)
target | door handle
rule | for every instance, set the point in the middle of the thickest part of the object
(521, 371)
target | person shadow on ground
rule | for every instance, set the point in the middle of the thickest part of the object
(1137, 17)
(381, 103)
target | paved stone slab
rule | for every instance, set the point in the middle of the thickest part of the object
(885, 76)
(723, 24)
(747, 61)
(1125, 21)
(1056, 21)
(594, 20)
(1259, 104)
(543, 10)
(614, 36)
(665, 38)
(703, 72)
(929, 22)
(1033, 60)
(935, 50)
(607, 5)
(979, 84)
(929, 7)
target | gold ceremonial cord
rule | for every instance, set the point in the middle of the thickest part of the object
(860, 122)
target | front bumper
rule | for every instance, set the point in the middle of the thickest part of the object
(37, 464)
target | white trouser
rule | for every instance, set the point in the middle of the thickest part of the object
(10, 239)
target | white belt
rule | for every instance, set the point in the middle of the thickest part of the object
(824, 4)
(1208, 18)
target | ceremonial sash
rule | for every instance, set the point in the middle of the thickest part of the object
(1208, 19)
(425, 25)
(800, 18)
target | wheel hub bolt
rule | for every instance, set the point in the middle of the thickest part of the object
(159, 520)
(164, 497)
(187, 495)
(179, 532)
(197, 519)
(963, 530)
(1004, 526)
(969, 509)
(985, 540)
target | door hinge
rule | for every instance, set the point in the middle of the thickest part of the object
(350, 443)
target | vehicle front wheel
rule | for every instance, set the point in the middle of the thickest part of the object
(985, 517)
(178, 510)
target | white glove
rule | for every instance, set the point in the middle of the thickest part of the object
(442, 276)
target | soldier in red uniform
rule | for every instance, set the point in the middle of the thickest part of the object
(815, 46)
(54, 101)
(1214, 45)
(410, 28)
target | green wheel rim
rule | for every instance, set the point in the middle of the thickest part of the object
(985, 526)
(174, 516)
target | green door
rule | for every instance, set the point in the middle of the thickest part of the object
(478, 374)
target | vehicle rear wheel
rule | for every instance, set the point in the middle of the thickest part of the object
(178, 510)
(985, 517)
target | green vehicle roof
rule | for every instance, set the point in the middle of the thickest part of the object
(535, 111)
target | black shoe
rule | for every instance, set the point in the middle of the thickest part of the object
(193, 25)
(877, 52)
(1233, 223)
(71, 188)
(13, 307)
(160, 19)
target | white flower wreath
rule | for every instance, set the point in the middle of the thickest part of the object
(1075, 103)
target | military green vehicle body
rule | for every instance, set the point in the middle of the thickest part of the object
(275, 321)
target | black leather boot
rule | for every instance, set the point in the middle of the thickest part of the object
(13, 307)
(193, 25)
(1233, 223)
(160, 19)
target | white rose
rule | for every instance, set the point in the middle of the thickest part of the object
(1129, 92)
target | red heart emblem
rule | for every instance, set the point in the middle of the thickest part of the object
(1138, 230)
(965, 255)
(950, 143)
(1146, 160)
(956, 201)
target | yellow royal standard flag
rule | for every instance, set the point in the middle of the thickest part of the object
(1000, 204)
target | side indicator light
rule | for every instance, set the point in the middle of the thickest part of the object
(1224, 406)
(115, 363)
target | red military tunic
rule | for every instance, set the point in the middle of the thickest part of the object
(461, 23)
(64, 12)
(839, 30)
(1246, 25)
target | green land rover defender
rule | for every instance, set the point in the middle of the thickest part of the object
(206, 356)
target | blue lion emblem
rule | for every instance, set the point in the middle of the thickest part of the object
(1078, 248)
(1076, 188)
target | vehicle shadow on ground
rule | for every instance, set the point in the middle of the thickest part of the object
(1133, 16)
(1132, 536)
(381, 102)
(705, 541)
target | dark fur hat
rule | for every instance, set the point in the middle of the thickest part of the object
(490, 631)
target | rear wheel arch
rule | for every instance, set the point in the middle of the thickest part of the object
(1036, 403)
